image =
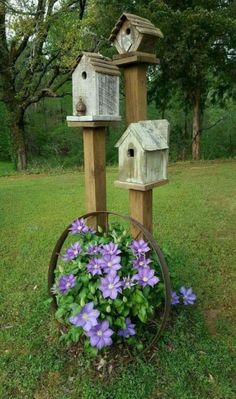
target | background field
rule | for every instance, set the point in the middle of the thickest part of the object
(194, 222)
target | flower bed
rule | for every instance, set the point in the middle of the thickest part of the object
(108, 288)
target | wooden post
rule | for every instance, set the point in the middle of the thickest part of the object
(135, 93)
(140, 202)
(94, 137)
(135, 69)
(95, 172)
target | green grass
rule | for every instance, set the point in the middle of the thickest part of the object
(194, 220)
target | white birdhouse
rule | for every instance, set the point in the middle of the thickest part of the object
(95, 88)
(133, 33)
(143, 155)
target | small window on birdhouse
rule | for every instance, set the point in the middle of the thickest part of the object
(84, 75)
(130, 152)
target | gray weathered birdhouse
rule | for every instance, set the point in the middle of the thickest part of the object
(95, 89)
(143, 155)
(133, 33)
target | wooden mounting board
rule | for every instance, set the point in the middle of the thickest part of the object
(93, 124)
(134, 58)
(140, 187)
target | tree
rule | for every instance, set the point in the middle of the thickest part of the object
(199, 46)
(38, 41)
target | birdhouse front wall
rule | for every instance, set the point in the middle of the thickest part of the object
(132, 162)
(126, 38)
(84, 85)
(107, 94)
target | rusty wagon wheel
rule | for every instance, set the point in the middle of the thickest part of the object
(147, 235)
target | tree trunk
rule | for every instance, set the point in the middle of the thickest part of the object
(18, 140)
(196, 126)
(16, 120)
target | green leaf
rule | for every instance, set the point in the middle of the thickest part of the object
(142, 314)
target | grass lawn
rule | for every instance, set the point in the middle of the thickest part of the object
(194, 220)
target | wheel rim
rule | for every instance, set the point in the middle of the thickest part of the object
(152, 242)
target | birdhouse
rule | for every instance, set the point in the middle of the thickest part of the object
(143, 155)
(133, 33)
(95, 89)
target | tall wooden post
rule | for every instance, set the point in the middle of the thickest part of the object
(94, 137)
(135, 70)
(95, 171)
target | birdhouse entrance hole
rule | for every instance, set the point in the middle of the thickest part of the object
(84, 75)
(128, 31)
(130, 152)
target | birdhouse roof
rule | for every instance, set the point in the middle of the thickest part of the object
(142, 25)
(99, 63)
(151, 135)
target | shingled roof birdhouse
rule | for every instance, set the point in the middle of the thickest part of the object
(133, 33)
(95, 89)
(143, 155)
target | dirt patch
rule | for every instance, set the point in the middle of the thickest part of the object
(216, 317)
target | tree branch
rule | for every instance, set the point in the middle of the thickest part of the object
(214, 124)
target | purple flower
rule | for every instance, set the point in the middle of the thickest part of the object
(110, 249)
(91, 230)
(72, 252)
(66, 282)
(146, 276)
(93, 249)
(139, 247)
(110, 263)
(128, 330)
(95, 266)
(100, 335)
(188, 296)
(86, 318)
(141, 261)
(110, 286)
(174, 298)
(128, 282)
(79, 226)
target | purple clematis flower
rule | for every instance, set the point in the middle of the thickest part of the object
(174, 298)
(66, 282)
(79, 226)
(93, 249)
(128, 282)
(188, 296)
(100, 335)
(95, 266)
(111, 285)
(86, 318)
(146, 276)
(91, 230)
(110, 249)
(128, 330)
(72, 252)
(139, 247)
(110, 263)
(141, 261)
